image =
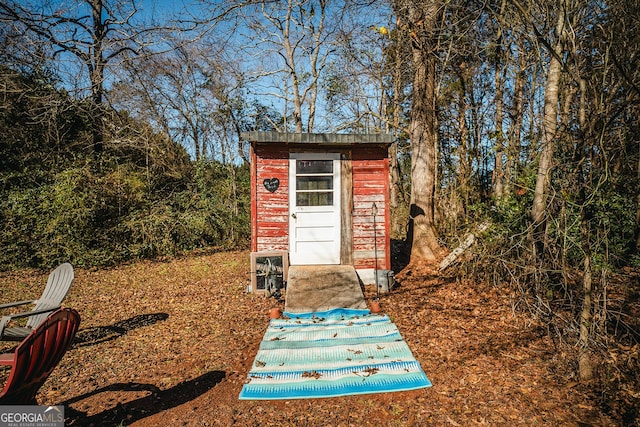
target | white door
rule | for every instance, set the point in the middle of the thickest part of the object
(314, 205)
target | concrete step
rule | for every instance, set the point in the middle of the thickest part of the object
(312, 288)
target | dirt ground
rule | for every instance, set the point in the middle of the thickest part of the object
(171, 343)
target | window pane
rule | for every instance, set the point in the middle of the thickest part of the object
(314, 182)
(314, 199)
(314, 166)
(302, 199)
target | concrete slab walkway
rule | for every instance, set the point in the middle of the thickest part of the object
(312, 288)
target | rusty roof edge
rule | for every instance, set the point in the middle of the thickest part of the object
(318, 138)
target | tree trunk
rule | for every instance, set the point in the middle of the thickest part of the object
(464, 171)
(585, 369)
(424, 134)
(396, 198)
(318, 37)
(513, 151)
(550, 125)
(291, 63)
(96, 75)
(638, 225)
(498, 170)
(638, 213)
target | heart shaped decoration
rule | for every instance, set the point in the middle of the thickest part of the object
(271, 184)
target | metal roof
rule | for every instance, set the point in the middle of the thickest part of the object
(318, 138)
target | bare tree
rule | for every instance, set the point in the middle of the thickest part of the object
(555, 49)
(191, 92)
(498, 133)
(421, 20)
(95, 32)
(398, 63)
(512, 165)
(287, 46)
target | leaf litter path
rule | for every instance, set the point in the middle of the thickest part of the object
(171, 343)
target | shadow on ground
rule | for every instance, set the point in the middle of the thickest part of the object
(99, 334)
(155, 402)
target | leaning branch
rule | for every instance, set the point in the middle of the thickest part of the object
(468, 241)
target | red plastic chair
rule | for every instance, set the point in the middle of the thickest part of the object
(37, 355)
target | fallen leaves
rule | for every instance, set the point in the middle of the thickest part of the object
(312, 374)
(370, 371)
(485, 363)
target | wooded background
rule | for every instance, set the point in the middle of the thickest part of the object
(121, 125)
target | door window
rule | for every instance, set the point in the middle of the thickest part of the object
(314, 183)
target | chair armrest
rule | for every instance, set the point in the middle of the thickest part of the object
(6, 319)
(17, 303)
(32, 313)
(3, 324)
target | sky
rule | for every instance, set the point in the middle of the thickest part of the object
(268, 89)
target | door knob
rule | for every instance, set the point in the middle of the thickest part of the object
(294, 215)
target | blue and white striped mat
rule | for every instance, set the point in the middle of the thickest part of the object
(329, 354)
